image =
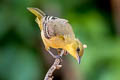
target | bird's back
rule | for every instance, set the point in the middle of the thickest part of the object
(58, 27)
(62, 27)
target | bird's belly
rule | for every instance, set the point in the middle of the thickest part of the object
(55, 42)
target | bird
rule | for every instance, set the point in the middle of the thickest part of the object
(57, 33)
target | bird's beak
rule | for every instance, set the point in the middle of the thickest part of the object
(78, 58)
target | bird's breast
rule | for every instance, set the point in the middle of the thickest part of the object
(54, 42)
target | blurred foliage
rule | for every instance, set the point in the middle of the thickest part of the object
(20, 48)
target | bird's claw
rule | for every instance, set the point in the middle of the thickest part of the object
(58, 57)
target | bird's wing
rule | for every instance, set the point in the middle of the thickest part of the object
(58, 27)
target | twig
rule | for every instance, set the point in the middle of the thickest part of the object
(56, 65)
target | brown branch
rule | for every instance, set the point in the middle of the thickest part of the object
(56, 65)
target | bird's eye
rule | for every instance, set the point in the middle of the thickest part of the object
(78, 50)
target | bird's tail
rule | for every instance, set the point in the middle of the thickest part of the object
(37, 12)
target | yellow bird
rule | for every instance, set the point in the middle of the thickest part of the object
(57, 33)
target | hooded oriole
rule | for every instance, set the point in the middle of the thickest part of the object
(57, 33)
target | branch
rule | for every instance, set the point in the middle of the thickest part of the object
(56, 65)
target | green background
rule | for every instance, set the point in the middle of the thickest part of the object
(22, 53)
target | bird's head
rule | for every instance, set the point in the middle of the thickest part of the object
(76, 49)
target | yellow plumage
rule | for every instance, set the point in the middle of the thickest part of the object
(57, 33)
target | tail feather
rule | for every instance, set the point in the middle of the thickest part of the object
(37, 12)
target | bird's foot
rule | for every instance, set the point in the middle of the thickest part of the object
(58, 57)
